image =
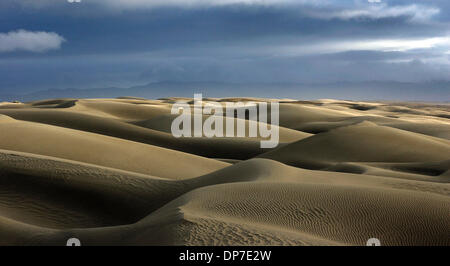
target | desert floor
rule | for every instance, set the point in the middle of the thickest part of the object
(109, 172)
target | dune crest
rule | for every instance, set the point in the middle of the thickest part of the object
(103, 150)
(345, 144)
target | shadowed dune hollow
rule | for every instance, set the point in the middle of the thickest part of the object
(109, 172)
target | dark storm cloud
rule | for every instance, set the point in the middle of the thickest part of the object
(124, 42)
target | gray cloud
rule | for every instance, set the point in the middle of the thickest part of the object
(417, 13)
(23, 40)
(132, 4)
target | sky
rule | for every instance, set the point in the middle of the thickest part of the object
(58, 44)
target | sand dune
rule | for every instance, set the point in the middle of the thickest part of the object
(163, 123)
(242, 148)
(155, 131)
(299, 208)
(146, 210)
(292, 115)
(108, 172)
(102, 150)
(345, 144)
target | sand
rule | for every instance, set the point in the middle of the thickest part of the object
(108, 172)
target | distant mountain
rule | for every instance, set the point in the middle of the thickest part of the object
(370, 90)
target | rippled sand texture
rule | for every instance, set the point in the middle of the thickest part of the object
(109, 172)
